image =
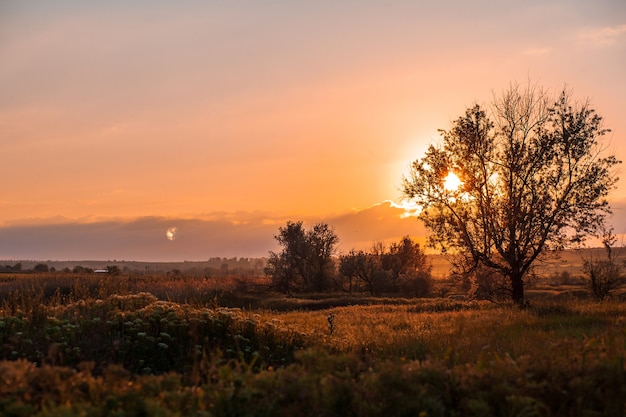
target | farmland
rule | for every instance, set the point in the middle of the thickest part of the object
(163, 345)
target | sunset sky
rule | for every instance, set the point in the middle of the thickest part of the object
(253, 112)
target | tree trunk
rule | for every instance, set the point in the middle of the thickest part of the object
(517, 284)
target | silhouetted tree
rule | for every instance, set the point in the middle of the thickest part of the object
(322, 241)
(113, 270)
(363, 267)
(15, 268)
(305, 262)
(404, 257)
(78, 269)
(410, 270)
(533, 178)
(402, 267)
(604, 275)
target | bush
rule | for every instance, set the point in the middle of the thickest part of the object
(144, 335)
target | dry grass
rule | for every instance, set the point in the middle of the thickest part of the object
(460, 332)
(381, 356)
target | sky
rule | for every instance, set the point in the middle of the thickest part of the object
(212, 115)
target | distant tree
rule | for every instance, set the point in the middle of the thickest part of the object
(402, 267)
(41, 268)
(604, 275)
(530, 179)
(288, 267)
(361, 267)
(322, 242)
(78, 269)
(347, 271)
(113, 270)
(15, 268)
(305, 262)
(404, 257)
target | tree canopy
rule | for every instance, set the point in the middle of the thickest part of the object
(401, 267)
(305, 261)
(533, 176)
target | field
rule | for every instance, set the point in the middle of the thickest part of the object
(141, 345)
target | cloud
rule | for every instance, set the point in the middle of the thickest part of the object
(142, 239)
(603, 36)
(224, 235)
(382, 222)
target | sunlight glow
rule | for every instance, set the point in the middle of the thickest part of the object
(451, 182)
(171, 233)
(410, 207)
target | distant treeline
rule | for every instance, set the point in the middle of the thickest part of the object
(213, 267)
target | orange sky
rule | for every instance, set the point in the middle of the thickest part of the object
(187, 109)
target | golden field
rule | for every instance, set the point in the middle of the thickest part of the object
(128, 345)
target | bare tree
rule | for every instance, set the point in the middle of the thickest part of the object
(604, 275)
(532, 178)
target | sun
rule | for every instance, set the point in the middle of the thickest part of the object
(452, 182)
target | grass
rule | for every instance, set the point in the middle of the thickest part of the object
(459, 332)
(131, 346)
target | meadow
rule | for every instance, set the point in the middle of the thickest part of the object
(141, 345)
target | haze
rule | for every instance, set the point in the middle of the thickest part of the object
(113, 112)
